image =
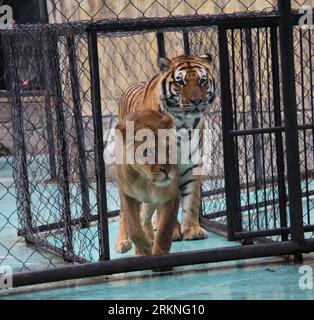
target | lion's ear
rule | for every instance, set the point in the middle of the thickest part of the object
(167, 121)
(164, 64)
(207, 57)
(121, 127)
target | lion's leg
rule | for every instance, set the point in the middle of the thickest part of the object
(147, 211)
(167, 216)
(143, 245)
(190, 200)
(123, 244)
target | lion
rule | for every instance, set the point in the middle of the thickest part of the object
(146, 185)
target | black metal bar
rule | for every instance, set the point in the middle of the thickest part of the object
(230, 21)
(104, 251)
(81, 222)
(253, 109)
(163, 261)
(278, 136)
(63, 147)
(50, 137)
(268, 232)
(246, 170)
(291, 125)
(79, 129)
(305, 153)
(161, 44)
(231, 180)
(20, 173)
(276, 128)
(186, 43)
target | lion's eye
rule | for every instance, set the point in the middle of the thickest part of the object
(180, 82)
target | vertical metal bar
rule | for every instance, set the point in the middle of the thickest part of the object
(186, 43)
(311, 87)
(256, 138)
(231, 179)
(19, 155)
(290, 112)
(161, 44)
(79, 128)
(261, 107)
(252, 93)
(104, 251)
(270, 124)
(63, 147)
(246, 149)
(50, 136)
(305, 153)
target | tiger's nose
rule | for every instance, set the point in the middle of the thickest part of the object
(195, 100)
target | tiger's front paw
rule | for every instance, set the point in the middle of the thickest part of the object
(195, 233)
(123, 246)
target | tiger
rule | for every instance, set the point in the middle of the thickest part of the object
(184, 89)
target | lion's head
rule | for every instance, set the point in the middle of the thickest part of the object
(143, 151)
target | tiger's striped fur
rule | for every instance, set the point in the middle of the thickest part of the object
(184, 89)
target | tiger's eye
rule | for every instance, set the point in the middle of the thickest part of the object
(203, 81)
(180, 82)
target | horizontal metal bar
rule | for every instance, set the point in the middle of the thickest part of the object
(268, 130)
(74, 222)
(163, 261)
(230, 21)
(268, 232)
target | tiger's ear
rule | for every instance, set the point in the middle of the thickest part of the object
(164, 63)
(208, 57)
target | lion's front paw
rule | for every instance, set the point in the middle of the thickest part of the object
(123, 246)
(176, 234)
(195, 233)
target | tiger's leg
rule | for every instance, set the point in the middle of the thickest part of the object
(190, 191)
(123, 244)
(143, 245)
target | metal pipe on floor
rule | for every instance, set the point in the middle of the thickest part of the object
(163, 261)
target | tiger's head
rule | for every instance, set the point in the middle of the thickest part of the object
(187, 86)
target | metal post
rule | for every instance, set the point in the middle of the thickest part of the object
(290, 112)
(19, 155)
(186, 43)
(252, 93)
(50, 136)
(231, 177)
(79, 128)
(104, 251)
(63, 148)
(161, 44)
(278, 135)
